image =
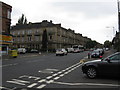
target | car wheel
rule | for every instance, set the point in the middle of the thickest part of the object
(91, 72)
(56, 54)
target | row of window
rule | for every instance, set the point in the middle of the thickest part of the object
(38, 32)
(25, 31)
(30, 38)
(39, 38)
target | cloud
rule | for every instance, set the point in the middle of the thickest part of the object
(91, 9)
(88, 17)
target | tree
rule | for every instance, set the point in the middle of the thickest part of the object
(44, 40)
(22, 20)
(107, 44)
(91, 44)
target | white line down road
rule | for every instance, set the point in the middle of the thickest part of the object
(91, 84)
(38, 82)
(57, 75)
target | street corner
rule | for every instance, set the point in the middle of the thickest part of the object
(86, 60)
(82, 61)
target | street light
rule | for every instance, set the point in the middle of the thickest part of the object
(113, 30)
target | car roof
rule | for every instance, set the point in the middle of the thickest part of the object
(114, 54)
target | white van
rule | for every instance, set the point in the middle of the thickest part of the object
(21, 50)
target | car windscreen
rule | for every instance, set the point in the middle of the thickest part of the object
(59, 50)
(95, 51)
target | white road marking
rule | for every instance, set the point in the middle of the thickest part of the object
(66, 69)
(61, 75)
(69, 71)
(50, 81)
(52, 69)
(59, 72)
(45, 71)
(32, 85)
(15, 82)
(49, 77)
(35, 78)
(43, 80)
(66, 73)
(9, 65)
(56, 78)
(54, 74)
(21, 81)
(31, 77)
(93, 84)
(23, 76)
(75, 64)
(63, 70)
(28, 56)
(48, 70)
(72, 69)
(5, 88)
(41, 86)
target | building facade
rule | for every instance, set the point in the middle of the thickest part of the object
(5, 21)
(30, 36)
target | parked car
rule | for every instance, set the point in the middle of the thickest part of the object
(70, 50)
(34, 51)
(101, 51)
(109, 66)
(21, 50)
(106, 49)
(95, 54)
(76, 50)
(61, 52)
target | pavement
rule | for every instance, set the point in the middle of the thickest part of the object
(25, 55)
(50, 71)
(106, 53)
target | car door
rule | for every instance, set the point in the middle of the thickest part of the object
(110, 65)
(114, 61)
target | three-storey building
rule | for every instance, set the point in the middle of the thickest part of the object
(30, 36)
(5, 21)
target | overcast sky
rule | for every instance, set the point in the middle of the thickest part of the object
(87, 17)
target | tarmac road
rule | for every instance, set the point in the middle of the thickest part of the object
(50, 71)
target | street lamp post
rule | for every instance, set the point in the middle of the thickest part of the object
(113, 28)
(118, 2)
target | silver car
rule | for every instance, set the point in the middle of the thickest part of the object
(61, 52)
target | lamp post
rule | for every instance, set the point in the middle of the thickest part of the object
(118, 2)
(113, 28)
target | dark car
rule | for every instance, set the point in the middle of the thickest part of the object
(96, 54)
(109, 66)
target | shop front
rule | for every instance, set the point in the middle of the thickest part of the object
(5, 42)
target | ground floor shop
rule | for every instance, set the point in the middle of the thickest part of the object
(5, 44)
(51, 46)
